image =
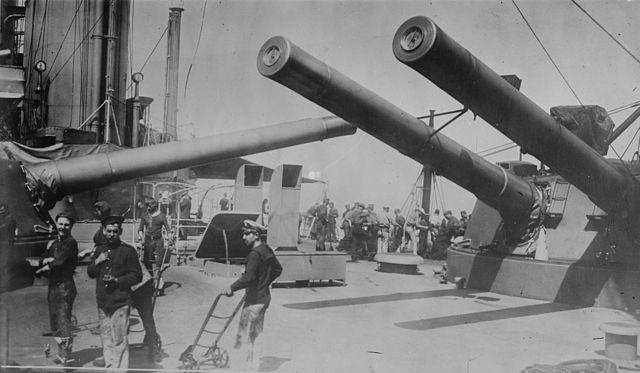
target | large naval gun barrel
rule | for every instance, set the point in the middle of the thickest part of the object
(284, 62)
(47, 182)
(422, 45)
(80, 174)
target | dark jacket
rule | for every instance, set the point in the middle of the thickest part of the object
(65, 260)
(262, 269)
(124, 265)
(152, 225)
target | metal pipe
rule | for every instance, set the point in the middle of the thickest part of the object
(74, 175)
(284, 62)
(427, 173)
(135, 125)
(171, 76)
(422, 45)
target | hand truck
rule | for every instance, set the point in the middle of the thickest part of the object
(214, 354)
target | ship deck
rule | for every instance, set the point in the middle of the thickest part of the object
(376, 322)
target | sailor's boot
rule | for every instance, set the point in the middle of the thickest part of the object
(154, 349)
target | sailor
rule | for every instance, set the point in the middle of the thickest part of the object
(322, 225)
(333, 217)
(345, 225)
(224, 203)
(410, 229)
(185, 214)
(142, 296)
(423, 232)
(360, 234)
(264, 217)
(437, 221)
(116, 268)
(311, 215)
(464, 220)
(345, 220)
(59, 261)
(384, 225)
(374, 231)
(450, 225)
(150, 228)
(262, 269)
(398, 237)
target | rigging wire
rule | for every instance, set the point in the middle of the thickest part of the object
(494, 148)
(150, 54)
(606, 32)
(78, 46)
(410, 197)
(630, 142)
(438, 194)
(154, 49)
(343, 155)
(501, 150)
(624, 107)
(41, 35)
(186, 82)
(545, 51)
(73, 22)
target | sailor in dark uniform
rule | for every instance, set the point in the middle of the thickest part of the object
(59, 261)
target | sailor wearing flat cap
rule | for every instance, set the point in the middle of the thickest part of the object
(250, 226)
(113, 219)
(116, 268)
(261, 270)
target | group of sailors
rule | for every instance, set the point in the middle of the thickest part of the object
(129, 278)
(367, 232)
(124, 277)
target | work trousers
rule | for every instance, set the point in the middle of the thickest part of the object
(155, 252)
(321, 235)
(331, 234)
(114, 329)
(61, 297)
(359, 247)
(249, 328)
(411, 239)
(383, 240)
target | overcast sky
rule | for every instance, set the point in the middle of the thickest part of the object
(225, 92)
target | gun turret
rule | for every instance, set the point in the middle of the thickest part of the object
(48, 182)
(284, 62)
(422, 45)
